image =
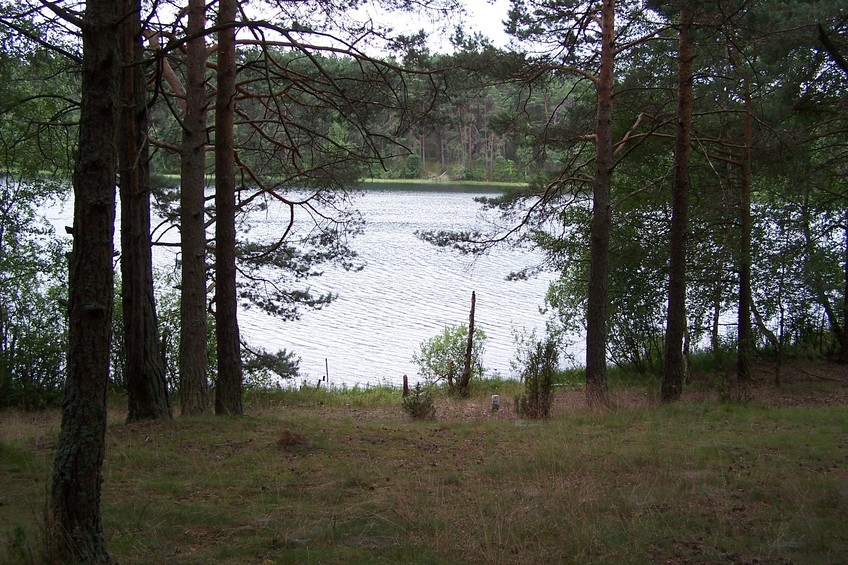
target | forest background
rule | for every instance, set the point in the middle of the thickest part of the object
(680, 163)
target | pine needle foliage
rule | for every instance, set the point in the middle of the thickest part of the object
(419, 404)
(538, 377)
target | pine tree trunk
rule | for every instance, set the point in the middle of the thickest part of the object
(194, 395)
(75, 527)
(745, 343)
(672, 385)
(228, 390)
(144, 372)
(843, 342)
(597, 392)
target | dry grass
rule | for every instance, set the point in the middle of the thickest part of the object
(698, 482)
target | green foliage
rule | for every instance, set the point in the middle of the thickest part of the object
(636, 284)
(262, 369)
(38, 112)
(33, 297)
(798, 269)
(168, 313)
(442, 357)
(275, 273)
(540, 363)
(419, 403)
(505, 170)
(413, 167)
(36, 142)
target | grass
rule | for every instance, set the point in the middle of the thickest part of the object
(697, 482)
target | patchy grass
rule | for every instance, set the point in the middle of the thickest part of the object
(697, 482)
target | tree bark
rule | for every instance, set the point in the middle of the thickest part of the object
(597, 392)
(228, 391)
(75, 527)
(194, 388)
(144, 371)
(745, 342)
(672, 385)
(843, 341)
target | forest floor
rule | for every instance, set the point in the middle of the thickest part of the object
(315, 477)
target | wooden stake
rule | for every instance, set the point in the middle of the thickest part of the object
(466, 373)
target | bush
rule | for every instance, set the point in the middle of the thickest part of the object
(419, 404)
(442, 357)
(538, 377)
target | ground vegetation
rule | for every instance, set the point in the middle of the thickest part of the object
(364, 482)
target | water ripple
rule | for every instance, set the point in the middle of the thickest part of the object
(407, 293)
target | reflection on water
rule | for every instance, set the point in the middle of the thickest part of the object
(408, 291)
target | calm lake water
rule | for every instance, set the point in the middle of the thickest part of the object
(407, 293)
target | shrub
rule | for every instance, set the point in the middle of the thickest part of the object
(442, 357)
(419, 404)
(538, 374)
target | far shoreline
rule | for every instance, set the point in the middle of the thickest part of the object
(431, 184)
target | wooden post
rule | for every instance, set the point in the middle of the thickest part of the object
(405, 386)
(466, 373)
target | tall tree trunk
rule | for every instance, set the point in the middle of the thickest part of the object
(229, 387)
(423, 156)
(672, 385)
(194, 388)
(745, 343)
(597, 392)
(843, 342)
(76, 530)
(144, 371)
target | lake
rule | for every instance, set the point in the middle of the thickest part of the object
(408, 292)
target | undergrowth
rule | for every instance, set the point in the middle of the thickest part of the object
(698, 481)
(419, 403)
